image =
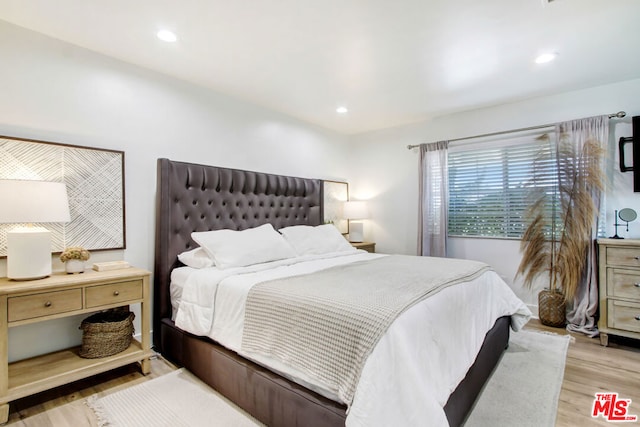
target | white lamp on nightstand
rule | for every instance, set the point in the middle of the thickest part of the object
(355, 210)
(29, 247)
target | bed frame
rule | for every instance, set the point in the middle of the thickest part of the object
(194, 197)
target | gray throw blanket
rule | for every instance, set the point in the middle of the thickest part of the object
(326, 324)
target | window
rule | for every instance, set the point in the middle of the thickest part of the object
(490, 187)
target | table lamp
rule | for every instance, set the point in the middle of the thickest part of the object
(29, 247)
(355, 210)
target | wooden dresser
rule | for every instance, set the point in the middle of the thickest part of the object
(619, 287)
(64, 295)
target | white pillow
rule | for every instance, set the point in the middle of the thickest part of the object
(321, 239)
(230, 248)
(196, 258)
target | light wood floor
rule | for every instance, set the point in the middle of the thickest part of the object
(590, 368)
(64, 406)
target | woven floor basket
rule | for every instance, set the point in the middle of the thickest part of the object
(552, 308)
(106, 333)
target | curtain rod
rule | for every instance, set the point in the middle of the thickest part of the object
(618, 115)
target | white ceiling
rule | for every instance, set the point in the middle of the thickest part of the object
(390, 62)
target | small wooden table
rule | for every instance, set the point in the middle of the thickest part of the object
(367, 246)
(62, 295)
(619, 288)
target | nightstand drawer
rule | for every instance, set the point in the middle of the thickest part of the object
(624, 315)
(623, 283)
(625, 257)
(114, 293)
(44, 304)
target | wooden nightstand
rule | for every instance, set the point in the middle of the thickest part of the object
(63, 295)
(367, 246)
(619, 286)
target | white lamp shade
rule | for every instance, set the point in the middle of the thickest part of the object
(355, 210)
(33, 201)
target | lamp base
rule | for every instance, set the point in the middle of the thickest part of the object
(355, 232)
(28, 253)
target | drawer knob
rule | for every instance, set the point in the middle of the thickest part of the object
(47, 304)
(637, 284)
(636, 258)
(637, 317)
(116, 293)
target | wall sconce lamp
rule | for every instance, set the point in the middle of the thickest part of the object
(28, 202)
(355, 210)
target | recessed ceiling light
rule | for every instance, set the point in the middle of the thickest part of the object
(342, 110)
(167, 36)
(546, 57)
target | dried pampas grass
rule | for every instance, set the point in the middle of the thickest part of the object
(558, 245)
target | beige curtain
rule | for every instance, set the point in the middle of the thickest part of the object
(581, 315)
(434, 196)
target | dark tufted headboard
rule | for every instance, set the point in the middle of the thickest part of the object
(192, 197)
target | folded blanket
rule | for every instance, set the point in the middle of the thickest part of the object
(327, 323)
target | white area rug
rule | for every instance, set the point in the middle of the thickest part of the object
(173, 400)
(524, 388)
(523, 391)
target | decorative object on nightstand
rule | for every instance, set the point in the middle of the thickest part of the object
(355, 210)
(74, 259)
(365, 246)
(627, 215)
(110, 265)
(29, 202)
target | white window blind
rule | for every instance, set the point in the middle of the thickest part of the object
(490, 186)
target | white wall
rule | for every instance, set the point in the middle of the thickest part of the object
(56, 92)
(53, 91)
(386, 173)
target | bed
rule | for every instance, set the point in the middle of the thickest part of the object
(198, 198)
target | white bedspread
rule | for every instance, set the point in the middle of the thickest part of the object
(416, 365)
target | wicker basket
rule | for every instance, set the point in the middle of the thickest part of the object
(552, 308)
(106, 333)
